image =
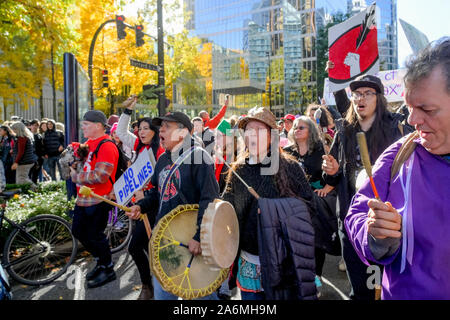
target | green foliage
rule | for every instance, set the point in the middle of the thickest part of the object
(50, 198)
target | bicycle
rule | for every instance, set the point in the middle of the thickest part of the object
(118, 230)
(38, 250)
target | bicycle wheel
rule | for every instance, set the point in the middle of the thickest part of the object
(42, 253)
(118, 230)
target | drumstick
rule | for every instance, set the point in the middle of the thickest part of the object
(364, 151)
(87, 192)
(250, 189)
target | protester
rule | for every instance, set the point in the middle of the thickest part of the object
(147, 140)
(204, 134)
(288, 121)
(59, 127)
(90, 215)
(191, 182)
(24, 154)
(54, 145)
(214, 122)
(8, 140)
(125, 149)
(43, 126)
(325, 123)
(226, 150)
(307, 147)
(253, 166)
(367, 112)
(36, 171)
(407, 230)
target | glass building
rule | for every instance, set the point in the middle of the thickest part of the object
(263, 51)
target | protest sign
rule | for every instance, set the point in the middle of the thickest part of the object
(134, 178)
(394, 87)
(353, 48)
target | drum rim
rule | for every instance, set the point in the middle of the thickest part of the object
(160, 273)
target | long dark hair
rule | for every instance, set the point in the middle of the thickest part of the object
(154, 144)
(378, 138)
(8, 131)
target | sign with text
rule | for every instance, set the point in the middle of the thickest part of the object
(134, 178)
(143, 65)
(353, 48)
(394, 88)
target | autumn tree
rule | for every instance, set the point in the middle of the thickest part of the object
(34, 34)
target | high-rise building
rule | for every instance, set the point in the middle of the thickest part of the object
(264, 51)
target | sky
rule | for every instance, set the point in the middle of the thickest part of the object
(432, 17)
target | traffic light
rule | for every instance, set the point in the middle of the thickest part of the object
(120, 24)
(139, 35)
(105, 78)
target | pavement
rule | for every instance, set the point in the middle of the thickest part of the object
(72, 285)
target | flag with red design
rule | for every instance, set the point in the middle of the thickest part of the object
(353, 48)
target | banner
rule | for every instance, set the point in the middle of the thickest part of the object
(353, 48)
(417, 40)
(134, 178)
(394, 88)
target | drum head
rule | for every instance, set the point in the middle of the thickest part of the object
(220, 234)
(170, 257)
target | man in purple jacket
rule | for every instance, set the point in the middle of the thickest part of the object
(411, 238)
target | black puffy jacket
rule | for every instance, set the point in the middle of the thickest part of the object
(52, 141)
(286, 249)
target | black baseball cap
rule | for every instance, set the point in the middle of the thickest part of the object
(175, 116)
(367, 81)
(96, 116)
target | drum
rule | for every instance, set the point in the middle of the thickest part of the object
(219, 237)
(179, 272)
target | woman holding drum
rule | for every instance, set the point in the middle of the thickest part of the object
(272, 174)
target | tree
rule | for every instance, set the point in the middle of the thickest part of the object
(33, 37)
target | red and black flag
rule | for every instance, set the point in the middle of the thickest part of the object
(353, 48)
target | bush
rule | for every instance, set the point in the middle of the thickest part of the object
(50, 198)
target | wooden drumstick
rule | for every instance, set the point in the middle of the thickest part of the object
(365, 158)
(87, 192)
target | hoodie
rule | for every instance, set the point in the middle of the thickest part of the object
(193, 182)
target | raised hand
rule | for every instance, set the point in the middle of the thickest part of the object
(130, 102)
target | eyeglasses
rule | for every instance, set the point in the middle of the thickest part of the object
(368, 94)
(301, 128)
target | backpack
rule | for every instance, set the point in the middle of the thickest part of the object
(122, 163)
(5, 289)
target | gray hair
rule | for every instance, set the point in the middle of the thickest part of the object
(421, 66)
(22, 131)
(313, 133)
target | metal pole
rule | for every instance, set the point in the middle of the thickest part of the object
(161, 82)
(90, 63)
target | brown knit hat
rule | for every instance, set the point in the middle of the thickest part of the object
(260, 114)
